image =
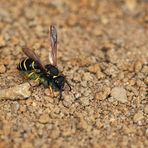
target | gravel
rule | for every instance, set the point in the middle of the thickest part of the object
(44, 118)
(119, 94)
(138, 116)
(102, 51)
(2, 69)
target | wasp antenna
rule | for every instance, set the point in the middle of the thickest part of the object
(60, 97)
(53, 42)
(68, 85)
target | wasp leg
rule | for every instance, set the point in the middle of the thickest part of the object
(35, 82)
(26, 78)
(51, 91)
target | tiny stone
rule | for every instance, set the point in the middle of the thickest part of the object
(27, 144)
(6, 37)
(138, 66)
(97, 31)
(146, 80)
(2, 69)
(121, 76)
(3, 144)
(102, 94)
(100, 75)
(146, 109)
(94, 68)
(84, 101)
(44, 118)
(17, 92)
(138, 116)
(72, 20)
(37, 46)
(34, 83)
(146, 132)
(111, 99)
(132, 82)
(131, 4)
(55, 133)
(47, 92)
(68, 100)
(84, 83)
(14, 107)
(104, 20)
(77, 95)
(2, 42)
(87, 76)
(22, 109)
(119, 94)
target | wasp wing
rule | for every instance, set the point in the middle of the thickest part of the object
(53, 42)
(31, 54)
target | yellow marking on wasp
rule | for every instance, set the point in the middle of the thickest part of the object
(33, 65)
(54, 76)
(25, 64)
(21, 65)
(30, 74)
(37, 78)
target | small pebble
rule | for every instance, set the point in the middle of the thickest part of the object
(138, 116)
(72, 20)
(55, 133)
(2, 42)
(87, 76)
(2, 69)
(68, 100)
(146, 80)
(47, 92)
(119, 93)
(146, 132)
(146, 109)
(100, 75)
(138, 66)
(84, 101)
(17, 92)
(23, 109)
(94, 68)
(44, 118)
(131, 4)
(14, 107)
(34, 83)
(97, 31)
(102, 94)
(26, 144)
(104, 20)
(3, 144)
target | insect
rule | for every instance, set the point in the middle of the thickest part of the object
(48, 75)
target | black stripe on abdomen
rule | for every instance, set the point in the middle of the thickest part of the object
(27, 65)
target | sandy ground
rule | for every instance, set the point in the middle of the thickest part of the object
(103, 51)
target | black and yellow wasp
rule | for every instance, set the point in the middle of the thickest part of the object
(48, 75)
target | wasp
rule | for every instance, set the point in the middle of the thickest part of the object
(49, 75)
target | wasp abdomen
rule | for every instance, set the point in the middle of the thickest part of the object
(27, 65)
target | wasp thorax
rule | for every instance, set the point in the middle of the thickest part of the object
(52, 70)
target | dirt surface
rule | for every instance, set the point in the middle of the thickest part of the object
(103, 51)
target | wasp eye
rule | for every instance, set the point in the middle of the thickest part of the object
(59, 81)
